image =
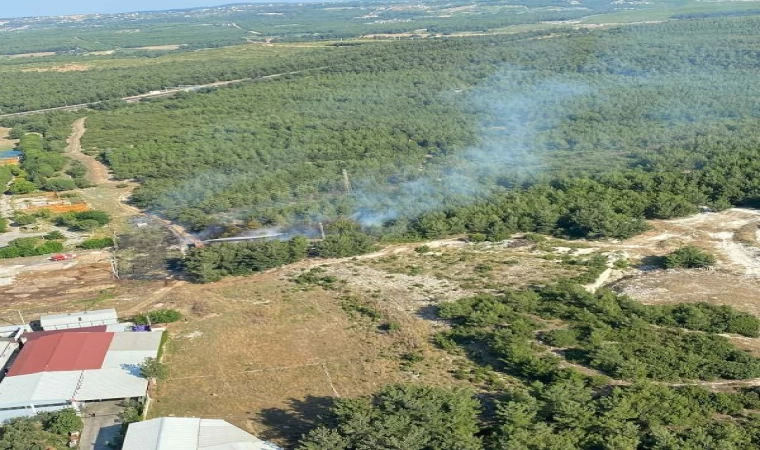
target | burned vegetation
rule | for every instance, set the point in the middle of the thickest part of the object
(147, 251)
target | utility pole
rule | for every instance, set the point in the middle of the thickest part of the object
(347, 183)
(114, 256)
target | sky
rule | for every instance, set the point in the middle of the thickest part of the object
(22, 8)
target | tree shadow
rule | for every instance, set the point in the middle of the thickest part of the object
(652, 263)
(108, 437)
(429, 312)
(298, 418)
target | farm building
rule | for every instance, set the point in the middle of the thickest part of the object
(170, 433)
(61, 369)
(79, 319)
(9, 342)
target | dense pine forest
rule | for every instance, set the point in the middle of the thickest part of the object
(427, 126)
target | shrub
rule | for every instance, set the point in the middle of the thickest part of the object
(54, 236)
(533, 237)
(97, 243)
(23, 247)
(347, 243)
(153, 368)
(63, 422)
(22, 186)
(158, 316)
(24, 219)
(83, 221)
(59, 184)
(689, 257)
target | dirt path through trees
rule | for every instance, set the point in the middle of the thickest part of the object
(97, 172)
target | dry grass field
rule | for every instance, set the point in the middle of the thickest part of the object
(5, 143)
(269, 353)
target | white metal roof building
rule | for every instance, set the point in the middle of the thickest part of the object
(178, 433)
(79, 319)
(117, 377)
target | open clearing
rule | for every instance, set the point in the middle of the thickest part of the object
(5, 142)
(64, 68)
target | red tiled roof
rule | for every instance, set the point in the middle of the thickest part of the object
(62, 352)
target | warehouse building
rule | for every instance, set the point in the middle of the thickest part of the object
(173, 433)
(79, 320)
(67, 368)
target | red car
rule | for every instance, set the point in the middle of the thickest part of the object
(62, 257)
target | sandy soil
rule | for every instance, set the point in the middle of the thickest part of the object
(159, 47)
(31, 55)
(64, 68)
(5, 143)
(97, 172)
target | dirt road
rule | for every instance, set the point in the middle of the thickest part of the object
(97, 173)
(164, 93)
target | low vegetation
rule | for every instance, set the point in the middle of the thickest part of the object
(157, 317)
(523, 337)
(215, 261)
(97, 243)
(44, 431)
(689, 257)
(83, 221)
(30, 246)
(153, 368)
(405, 417)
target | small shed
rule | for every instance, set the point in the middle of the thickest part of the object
(79, 319)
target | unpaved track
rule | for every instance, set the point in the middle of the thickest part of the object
(164, 93)
(97, 173)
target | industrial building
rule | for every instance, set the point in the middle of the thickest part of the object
(79, 320)
(174, 433)
(59, 369)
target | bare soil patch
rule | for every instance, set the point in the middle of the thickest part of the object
(64, 68)
(97, 172)
(31, 55)
(685, 286)
(160, 47)
(5, 142)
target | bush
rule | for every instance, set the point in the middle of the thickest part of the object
(23, 247)
(158, 316)
(59, 184)
(408, 416)
(153, 368)
(3, 224)
(54, 236)
(97, 243)
(348, 243)
(689, 257)
(24, 219)
(63, 422)
(83, 221)
(22, 186)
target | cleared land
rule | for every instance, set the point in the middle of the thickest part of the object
(5, 142)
